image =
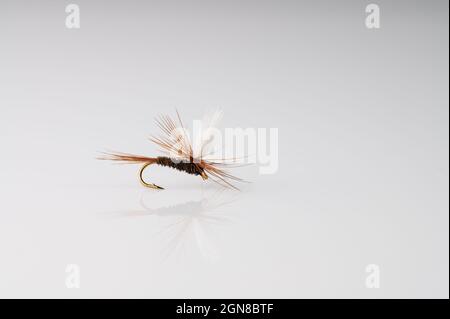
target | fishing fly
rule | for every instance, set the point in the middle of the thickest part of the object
(180, 155)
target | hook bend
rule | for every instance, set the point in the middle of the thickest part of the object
(141, 178)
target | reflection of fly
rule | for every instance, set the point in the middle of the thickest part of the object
(192, 218)
(176, 143)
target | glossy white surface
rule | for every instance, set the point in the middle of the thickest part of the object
(363, 150)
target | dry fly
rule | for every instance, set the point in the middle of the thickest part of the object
(179, 153)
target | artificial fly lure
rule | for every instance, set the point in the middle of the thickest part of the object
(180, 154)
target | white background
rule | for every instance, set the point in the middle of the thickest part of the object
(363, 149)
